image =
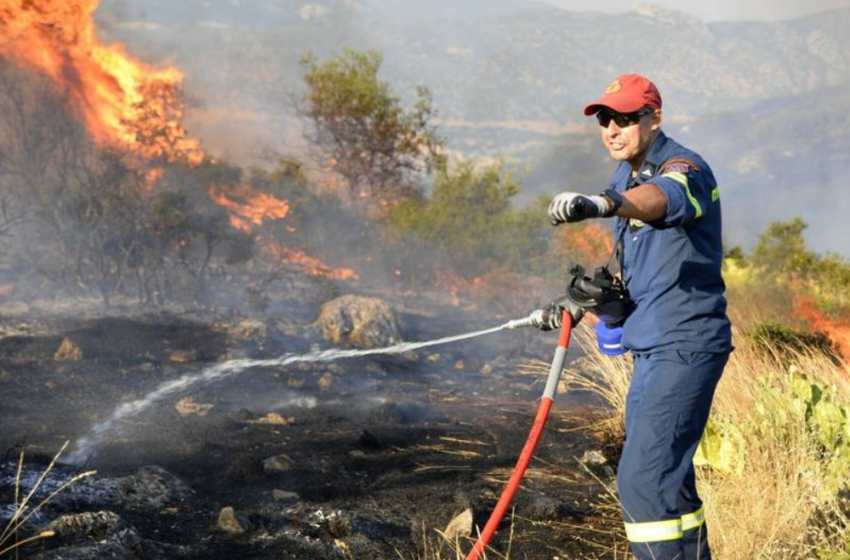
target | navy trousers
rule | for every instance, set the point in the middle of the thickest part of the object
(666, 412)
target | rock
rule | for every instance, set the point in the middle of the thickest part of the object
(284, 496)
(358, 322)
(275, 419)
(460, 527)
(182, 356)
(233, 523)
(325, 382)
(151, 487)
(101, 535)
(357, 454)
(278, 463)
(244, 467)
(596, 462)
(294, 382)
(81, 527)
(247, 330)
(540, 508)
(188, 407)
(369, 441)
(593, 458)
(68, 352)
(126, 545)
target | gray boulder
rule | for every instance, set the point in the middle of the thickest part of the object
(358, 322)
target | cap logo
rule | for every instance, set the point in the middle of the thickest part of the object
(613, 87)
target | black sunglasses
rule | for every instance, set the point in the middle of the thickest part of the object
(605, 116)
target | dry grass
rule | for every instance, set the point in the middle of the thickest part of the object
(780, 503)
(606, 377)
(26, 508)
(440, 547)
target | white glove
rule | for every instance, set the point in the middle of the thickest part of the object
(575, 207)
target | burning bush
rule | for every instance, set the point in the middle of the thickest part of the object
(784, 341)
(784, 282)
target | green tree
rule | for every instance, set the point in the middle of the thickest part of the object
(361, 129)
(782, 249)
(469, 215)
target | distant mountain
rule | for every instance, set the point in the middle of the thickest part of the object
(493, 60)
(780, 158)
(764, 102)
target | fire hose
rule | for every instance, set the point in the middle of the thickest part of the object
(606, 297)
(530, 442)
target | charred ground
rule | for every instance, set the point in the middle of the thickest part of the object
(360, 458)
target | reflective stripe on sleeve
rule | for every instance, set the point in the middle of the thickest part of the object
(693, 520)
(654, 531)
(682, 179)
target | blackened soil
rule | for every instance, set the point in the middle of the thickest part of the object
(380, 453)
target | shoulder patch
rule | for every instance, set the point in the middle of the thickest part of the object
(678, 165)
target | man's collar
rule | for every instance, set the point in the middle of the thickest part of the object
(653, 159)
(655, 152)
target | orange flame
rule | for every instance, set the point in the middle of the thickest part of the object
(589, 243)
(455, 283)
(837, 330)
(249, 207)
(123, 101)
(309, 265)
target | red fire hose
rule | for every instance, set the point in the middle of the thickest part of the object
(531, 441)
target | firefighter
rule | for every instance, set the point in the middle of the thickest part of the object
(668, 238)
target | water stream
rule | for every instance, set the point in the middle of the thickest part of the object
(87, 444)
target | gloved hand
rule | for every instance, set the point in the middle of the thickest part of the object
(574, 207)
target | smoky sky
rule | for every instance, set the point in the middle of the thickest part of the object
(717, 10)
(240, 61)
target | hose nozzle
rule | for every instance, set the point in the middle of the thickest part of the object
(535, 319)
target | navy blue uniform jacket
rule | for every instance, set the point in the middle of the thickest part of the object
(671, 267)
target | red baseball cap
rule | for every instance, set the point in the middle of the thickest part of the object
(627, 94)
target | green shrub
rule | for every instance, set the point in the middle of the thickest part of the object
(470, 217)
(778, 409)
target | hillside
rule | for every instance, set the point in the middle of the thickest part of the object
(512, 82)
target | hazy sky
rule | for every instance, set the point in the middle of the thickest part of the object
(715, 10)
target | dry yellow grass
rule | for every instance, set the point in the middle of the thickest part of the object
(780, 503)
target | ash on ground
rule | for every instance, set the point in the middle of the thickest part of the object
(360, 458)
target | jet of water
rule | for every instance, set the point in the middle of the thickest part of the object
(86, 445)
